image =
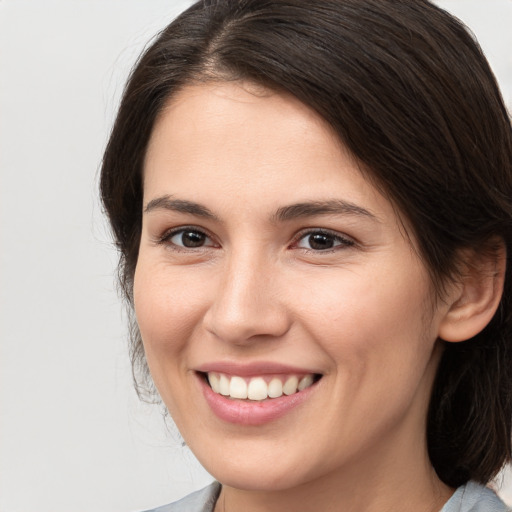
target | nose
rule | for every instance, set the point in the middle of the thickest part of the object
(248, 302)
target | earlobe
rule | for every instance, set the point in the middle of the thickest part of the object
(476, 297)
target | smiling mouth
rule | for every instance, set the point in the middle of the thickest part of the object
(258, 388)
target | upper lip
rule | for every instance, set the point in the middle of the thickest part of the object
(252, 368)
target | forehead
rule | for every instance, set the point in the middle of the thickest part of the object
(258, 148)
(234, 115)
(242, 130)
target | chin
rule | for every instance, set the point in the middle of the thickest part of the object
(264, 478)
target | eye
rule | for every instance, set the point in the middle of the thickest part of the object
(188, 238)
(320, 240)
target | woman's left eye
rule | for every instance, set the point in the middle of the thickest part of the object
(323, 241)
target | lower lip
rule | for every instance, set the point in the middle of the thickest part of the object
(252, 413)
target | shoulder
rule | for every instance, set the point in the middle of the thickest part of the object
(474, 497)
(200, 501)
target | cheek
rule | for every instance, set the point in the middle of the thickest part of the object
(380, 349)
(347, 306)
(168, 308)
(374, 327)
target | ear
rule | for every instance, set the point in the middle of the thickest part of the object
(474, 299)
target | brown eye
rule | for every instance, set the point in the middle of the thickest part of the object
(190, 239)
(322, 241)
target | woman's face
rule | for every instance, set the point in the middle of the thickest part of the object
(269, 265)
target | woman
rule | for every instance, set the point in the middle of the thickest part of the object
(313, 205)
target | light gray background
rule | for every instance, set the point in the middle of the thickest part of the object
(73, 436)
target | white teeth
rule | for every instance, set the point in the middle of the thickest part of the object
(237, 388)
(223, 385)
(213, 379)
(275, 388)
(290, 386)
(257, 388)
(305, 382)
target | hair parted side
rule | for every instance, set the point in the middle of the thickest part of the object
(409, 92)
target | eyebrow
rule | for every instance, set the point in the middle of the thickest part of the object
(179, 205)
(285, 213)
(314, 208)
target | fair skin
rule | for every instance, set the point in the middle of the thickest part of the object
(235, 279)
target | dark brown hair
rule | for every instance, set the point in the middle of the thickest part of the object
(409, 92)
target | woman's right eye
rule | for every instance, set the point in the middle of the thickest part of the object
(189, 239)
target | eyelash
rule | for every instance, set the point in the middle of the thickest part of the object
(342, 241)
(165, 239)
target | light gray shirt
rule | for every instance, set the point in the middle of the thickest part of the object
(474, 497)
(471, 497)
